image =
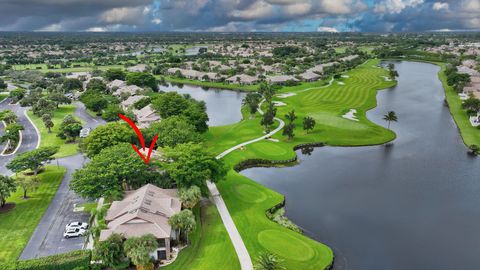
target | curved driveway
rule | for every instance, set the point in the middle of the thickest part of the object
(30, 138)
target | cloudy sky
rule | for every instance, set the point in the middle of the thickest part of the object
(239, 15)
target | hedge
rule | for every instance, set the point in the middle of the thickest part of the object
(79, 259)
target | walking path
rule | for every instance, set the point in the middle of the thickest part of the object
(240, 249)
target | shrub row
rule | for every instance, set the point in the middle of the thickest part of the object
(79, 260)
(258, 162)
(303, 145)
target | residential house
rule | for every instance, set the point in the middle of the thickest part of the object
(280, 79)
(130, 101)
(138, 68)
(309, 76)
(146, 116)
(145, 211)
(242, 79)
(115, 84)
(129, 89)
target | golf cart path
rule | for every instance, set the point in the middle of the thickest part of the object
(240, 249)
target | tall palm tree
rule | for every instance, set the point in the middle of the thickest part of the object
(390, 117)
(268, 261)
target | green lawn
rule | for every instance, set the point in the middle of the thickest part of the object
(51, 139)
(470, 134)
(211, 84)
(247, 200)
(17, 225)
(83, 67)
(211, 247)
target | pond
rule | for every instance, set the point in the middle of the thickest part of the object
(223, 107)
(195, 50)
(413, 205)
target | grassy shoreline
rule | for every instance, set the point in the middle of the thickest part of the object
(469, 134)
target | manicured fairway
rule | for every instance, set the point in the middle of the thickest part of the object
(248, 201)
(51, 139)
(17, 225)
(211, 247)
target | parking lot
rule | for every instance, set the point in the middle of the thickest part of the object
(47, 238)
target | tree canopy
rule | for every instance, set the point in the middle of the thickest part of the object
(105, 136)
(172, 103)
(110, 172)
(193, 165)
(32, 160)
(174, 130)
(142, 79)
(7, 186)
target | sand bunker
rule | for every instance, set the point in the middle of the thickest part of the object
(279, 104)
(286, 95)
(350, 115)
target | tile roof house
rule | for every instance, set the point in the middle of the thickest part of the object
(145, 211)
(116, 84)
(146, 116)
(280, 79)
(309, 76)
(242, 79)
(129, 89)
(131, 100)
(138, 68)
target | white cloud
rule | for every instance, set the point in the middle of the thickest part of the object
(327, 29)
(257, 10)
(156, 21)
(96, 29)
(125, 15)
(298, 9)
(395, 6)
(440, 6)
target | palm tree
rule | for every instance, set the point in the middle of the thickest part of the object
(138, 249)
(390, 117)
(268, 261)
(308, 123)
(291, 116)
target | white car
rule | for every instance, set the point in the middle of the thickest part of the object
(77, 225)
(74, 233)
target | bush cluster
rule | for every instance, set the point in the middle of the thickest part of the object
(79, 259)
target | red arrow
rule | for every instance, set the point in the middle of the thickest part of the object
(140, 137)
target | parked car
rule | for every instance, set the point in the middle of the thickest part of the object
(77, 225)
(84, 132)
(74, 233)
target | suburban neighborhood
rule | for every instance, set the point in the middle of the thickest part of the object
(257, 142)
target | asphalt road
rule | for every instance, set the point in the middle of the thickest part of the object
(29, 138)
(47, 238)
